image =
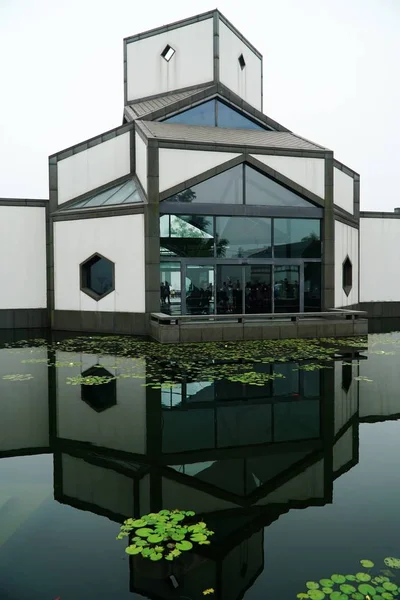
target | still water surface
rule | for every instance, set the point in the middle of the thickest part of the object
(299, 478)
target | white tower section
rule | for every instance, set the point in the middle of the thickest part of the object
(196, 52)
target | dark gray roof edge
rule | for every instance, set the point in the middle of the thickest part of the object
(371, 214)
(90, 142)
(190, 21)
(196, 88)
(24, 201)
(342, 167)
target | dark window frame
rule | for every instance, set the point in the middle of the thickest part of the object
(84, 276)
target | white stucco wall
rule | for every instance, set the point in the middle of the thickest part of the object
(307, 172)
(141, 161)
(346, 403)
(148, 73)
(343, 190)
(102, 487)
(94, 167)
(24, 405)
(121, 240)
(177, 166)
(23, 252)
(346, 244)
(120, 427)
(380, 397)
(379, 267)
(246, 82)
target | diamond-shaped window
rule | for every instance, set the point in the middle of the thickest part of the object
(99, 394)
(347, 269)
(97, 276)
(168, 52)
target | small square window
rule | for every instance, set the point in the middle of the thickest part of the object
(167, 53)
(242, 62)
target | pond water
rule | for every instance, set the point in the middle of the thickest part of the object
(295, 469)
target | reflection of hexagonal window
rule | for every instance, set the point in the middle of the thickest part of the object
(347, 276)
(347, 376)
(97, 276)
(99, 396)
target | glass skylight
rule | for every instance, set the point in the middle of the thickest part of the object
(124, 193)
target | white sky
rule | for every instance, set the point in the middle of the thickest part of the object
(331, 74)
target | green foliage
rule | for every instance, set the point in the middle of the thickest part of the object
(364, 586)
(164, 535)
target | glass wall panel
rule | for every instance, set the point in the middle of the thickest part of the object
(199, 288)
(296, 420)
(100, 276)
(286, 288)
(297, 238)
(262, 190)
(228, 117)
(243, 237)
(312, 287)
(182, 235)
(229, 289)
(203, 114)
(170, 288)
(225, 188)
(258, 289)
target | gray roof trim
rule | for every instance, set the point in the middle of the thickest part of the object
(233, 139)
(346, 218)
(188, 100)
(345, 169)
(190, 21)
(89, 143)
(98, 212)
(161, 102)
(370, 214)
(24, 202)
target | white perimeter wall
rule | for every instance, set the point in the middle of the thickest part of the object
(346, 244)
(245, 83)
(23, 257)
(121, 240)
(120, 427)
(380, 397)
(24, 405)
(380, 268)
(307, 172)
(94, 167)
(343, 190)
(148, 73)
(177, 166)
(141, 161)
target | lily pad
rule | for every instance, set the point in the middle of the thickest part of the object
(155, 538)
(312, 585)
(139, 523)
(336, 596)
(389, 586)
(357, 596)
(327, 590)
(366, 590)
(184, 545)
(393, 563)
(363, 577)
(155, 556)
(326, 582)
(133, 550)
(346, 588)
(144, 532)
(351, 577)
(338, 578)
(316, 595)
(367, 564)
(387, 596)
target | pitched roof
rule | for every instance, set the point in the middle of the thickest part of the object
(146, 107)
(229, 137)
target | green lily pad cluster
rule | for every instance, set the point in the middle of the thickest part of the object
(165, 534)
(360, 586)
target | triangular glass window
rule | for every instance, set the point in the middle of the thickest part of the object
(124, 193)
(241, 185)
(215, 113)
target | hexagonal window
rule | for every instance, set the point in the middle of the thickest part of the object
(347, 377)
(97, 276)
(347, 274)
(99, 396)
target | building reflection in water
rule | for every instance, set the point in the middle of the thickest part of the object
(239, 455)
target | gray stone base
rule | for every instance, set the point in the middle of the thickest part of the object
(24, 318)
(229, 332)
(100, 322)
(378, 310)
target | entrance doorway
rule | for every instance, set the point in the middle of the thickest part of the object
(232, 288)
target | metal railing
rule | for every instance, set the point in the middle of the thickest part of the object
(334, 313)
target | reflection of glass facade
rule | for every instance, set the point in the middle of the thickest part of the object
(215, 113)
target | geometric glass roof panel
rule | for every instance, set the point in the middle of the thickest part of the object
(123, 193)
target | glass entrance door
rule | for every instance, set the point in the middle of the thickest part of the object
(229, 289)
(199, 289)
(286, 288)
(258, 289)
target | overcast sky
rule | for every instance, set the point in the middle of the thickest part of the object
(331, 74)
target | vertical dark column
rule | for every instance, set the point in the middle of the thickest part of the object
(328, 239)
(154, 445)
(152, 232)
(327, 421)
(52, 206)
(216, 45)
(357, 216)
